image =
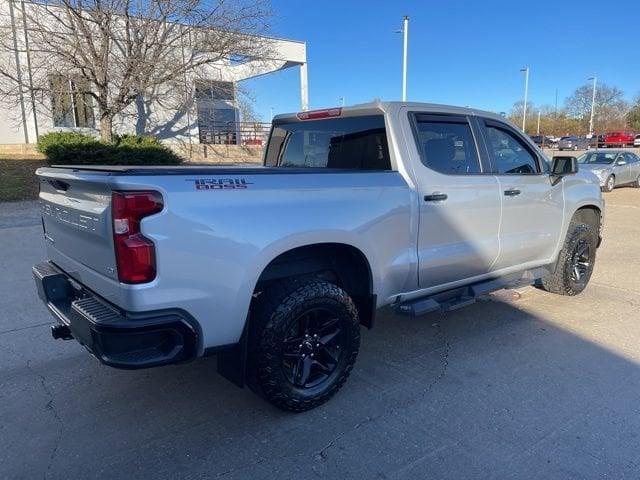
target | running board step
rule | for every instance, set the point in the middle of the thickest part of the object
(427, 305)
(463, 296)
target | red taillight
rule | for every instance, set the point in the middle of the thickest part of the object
(135, 253)
(316, 114)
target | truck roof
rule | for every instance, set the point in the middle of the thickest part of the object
(380, 106)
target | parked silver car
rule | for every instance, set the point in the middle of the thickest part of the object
(613, 168)
(573, 143)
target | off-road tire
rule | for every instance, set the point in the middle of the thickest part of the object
(560, 280)
(277, 308)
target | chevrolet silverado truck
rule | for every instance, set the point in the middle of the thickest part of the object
(276, 267)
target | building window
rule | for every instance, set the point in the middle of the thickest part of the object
(70, 104)
(218, 115)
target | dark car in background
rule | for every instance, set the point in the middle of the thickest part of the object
(573, 142)
(596, 141)
(542, 140)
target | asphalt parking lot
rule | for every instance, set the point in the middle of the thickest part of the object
(522, 385)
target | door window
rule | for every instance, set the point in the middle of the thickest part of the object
(447, 146)
(510, 155)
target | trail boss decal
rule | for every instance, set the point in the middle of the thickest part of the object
(220, 183)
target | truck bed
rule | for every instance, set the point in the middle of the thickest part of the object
(198, 169)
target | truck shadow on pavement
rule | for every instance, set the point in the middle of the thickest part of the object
(486, 391)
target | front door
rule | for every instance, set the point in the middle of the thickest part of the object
(622, 169)
(634, 166)
(532, 206)
(459, 202)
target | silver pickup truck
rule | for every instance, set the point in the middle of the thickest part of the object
(274, 268)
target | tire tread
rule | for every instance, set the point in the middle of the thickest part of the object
(557, 281)
(274, 302)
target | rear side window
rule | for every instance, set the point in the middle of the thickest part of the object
(447, 146)
(509, 153)
(348, 143)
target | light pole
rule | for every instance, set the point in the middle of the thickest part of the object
(593, 102)
(405, 33)
(526, 92)
(538, 123)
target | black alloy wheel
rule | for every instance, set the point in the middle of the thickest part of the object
(313, 347)
(580, 261)
(304, 340)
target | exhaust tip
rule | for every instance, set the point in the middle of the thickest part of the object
(61, 332)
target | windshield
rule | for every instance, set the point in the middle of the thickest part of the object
(597, 157)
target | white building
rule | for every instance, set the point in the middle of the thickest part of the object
(209, 114)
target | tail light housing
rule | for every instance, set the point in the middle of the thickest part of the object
(135, 253)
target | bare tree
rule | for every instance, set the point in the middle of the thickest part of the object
(115, 52)
(515, 115)
(633, 115)
(610, 106)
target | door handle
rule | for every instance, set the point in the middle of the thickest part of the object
(511, 192)
(436, 197)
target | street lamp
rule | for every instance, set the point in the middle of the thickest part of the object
(593, 102)
(526, 92)
(405, 32)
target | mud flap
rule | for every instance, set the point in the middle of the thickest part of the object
(232, 363)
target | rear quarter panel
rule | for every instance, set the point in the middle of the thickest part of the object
(213, 244)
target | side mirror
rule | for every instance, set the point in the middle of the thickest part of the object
(564, 165)
(621, 162)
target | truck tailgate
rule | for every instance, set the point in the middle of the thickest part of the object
(76, 219)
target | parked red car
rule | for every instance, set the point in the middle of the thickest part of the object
(619, 139)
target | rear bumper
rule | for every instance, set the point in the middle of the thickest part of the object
(117, 338)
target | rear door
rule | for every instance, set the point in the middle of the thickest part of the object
(459, 201)
(532, 207)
